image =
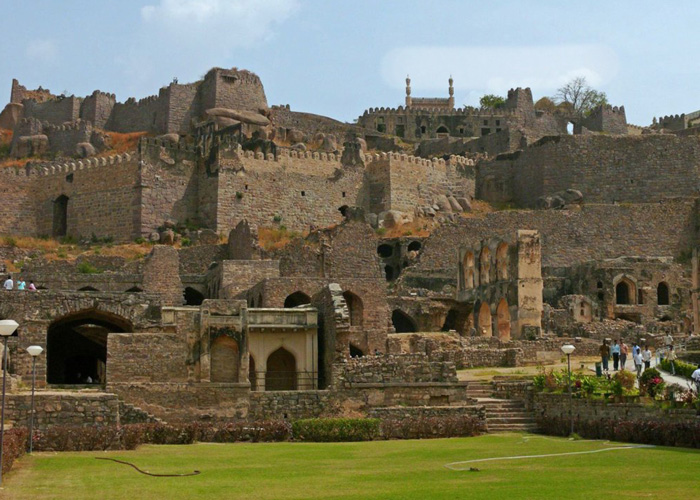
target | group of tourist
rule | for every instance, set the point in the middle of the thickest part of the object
(21, 285)
(619, 352)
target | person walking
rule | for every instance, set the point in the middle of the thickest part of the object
(605, 354)
(9, 284)
(646, 357)
(615, 350)
(671, 357)
(637, 357)
(624, 350)
(668, 340)
(21, 285)
(696, 377)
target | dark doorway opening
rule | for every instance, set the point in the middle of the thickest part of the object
(281, 374)
(297, 299)
(402, 322)
(662, 294)
(193, 297)
(450, 321)
(355, 352)
(60, 216)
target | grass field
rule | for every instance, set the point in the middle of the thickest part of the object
(374, 470)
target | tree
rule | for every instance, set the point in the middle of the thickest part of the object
(580, 97)
(492, 101)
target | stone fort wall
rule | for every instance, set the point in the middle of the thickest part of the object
(606, 169)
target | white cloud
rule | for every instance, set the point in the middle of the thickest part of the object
(44, 51)
(497, 69)
(226, 23)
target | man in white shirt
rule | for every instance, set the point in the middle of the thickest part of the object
(696, 377)
(9, 284)
(646, 357)
(668, 340)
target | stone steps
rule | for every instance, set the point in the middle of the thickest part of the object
(506, 415)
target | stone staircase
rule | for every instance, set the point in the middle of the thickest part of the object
(502, 415)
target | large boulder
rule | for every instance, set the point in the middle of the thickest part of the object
(454, 204)
(85, 149)
(11, 115)
(175, 138)
(240, 115)
(295, 136)
(443, 203)
(330, 143)
(30, 145)
(208, 237)
(465, 204)
(395, 218)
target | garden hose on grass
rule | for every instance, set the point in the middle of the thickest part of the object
(194, 473)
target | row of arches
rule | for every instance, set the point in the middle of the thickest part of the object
(626, 293)
(485, 322)
(469, 271)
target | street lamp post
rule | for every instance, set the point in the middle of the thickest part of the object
(568, 349)
(7, 328)
(34, 351)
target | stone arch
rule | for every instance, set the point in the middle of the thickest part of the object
(442, 130)
(88, 289)
(355, 308)
(385, 250)
(502, 261)
(414, 246)
(402, 322)
(296, 299)
(60, 216)
(193, 297)
(450, 321)
(503, 320)
(662, 295)
(468, 266)
(281, 371)
(483, 320)
(356, 352)
(134, 289)
(76, 346)
(625, 290)
(484, 266)
(224, 354)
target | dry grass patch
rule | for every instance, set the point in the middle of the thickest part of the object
(276, 238)
(123, 143)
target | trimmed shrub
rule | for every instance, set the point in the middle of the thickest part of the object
(660, 433)
(14, 446)
(336, 429)
(683, 369)
(431, 427)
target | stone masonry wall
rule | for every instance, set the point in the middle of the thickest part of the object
(606, 169)
(146, 357)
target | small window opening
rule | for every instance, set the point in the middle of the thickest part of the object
(303, 193)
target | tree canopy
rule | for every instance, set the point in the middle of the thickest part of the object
(492, 101)
(580, 97)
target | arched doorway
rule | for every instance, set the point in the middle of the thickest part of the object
(468, 265)
(252, 374)
(389, 273)
(281, 373)
(503, 320)
(224, 360)
(60, 216)
(355, 308)
(484, 321)
(402, 322)
(442, 131)
(625, 292)
(450, 321)
(385, 251)
(484, 266)
(662, 294)
(296, 299)
(193, 297)
(76, 346)
(502, 262)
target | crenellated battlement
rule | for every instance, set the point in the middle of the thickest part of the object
(156, 142)
(81, 125)
(131, 101)
(466, 111)
(46, 169)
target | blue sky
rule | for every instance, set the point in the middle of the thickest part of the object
(337, 58)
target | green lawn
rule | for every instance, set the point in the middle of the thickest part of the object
(374, 470)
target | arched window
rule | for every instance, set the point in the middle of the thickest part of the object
(402, 322)
(502, 262)
(442, 130)
(193, 297)
(625, 291)
(414, 246)
(296, 299)
(503, 320)
(355, 308)
(484, 266)
(468, 265)
(224, 360)
(483, 323)
(385, 251)
(662, 294)
(60, 216)
(281, 373)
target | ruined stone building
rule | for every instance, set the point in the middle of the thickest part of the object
(422, 240)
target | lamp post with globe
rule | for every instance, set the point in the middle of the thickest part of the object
(568, 349)
(34, 351)
(7, 328)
